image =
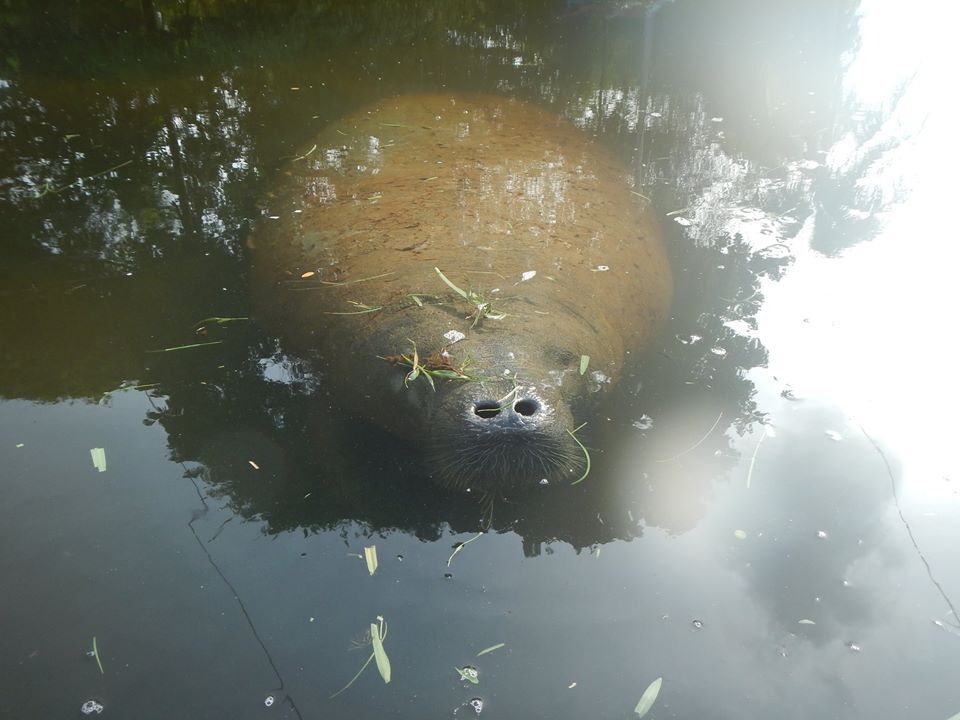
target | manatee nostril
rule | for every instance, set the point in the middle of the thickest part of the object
(526, 407)
(487, 409)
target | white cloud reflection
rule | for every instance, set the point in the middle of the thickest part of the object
(873, 331)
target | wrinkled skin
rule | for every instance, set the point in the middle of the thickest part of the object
(488, 190)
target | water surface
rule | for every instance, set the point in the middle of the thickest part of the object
(771, 520)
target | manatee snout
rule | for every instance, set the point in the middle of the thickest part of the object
(496, 436)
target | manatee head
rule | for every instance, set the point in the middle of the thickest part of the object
(513, 431)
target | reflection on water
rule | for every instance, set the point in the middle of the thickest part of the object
(781, 455)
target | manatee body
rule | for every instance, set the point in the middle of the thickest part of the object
(522, 212)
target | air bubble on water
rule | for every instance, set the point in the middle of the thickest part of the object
(601, 268)
(544, 481)
(644, 423)
(399, 558)
(468, 672)
(268, 701)
(477, 705)
(697, 624)
(91, 707)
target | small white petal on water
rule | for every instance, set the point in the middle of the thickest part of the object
(740, 534)
(528, 275)
(822, 534)
(454, 336)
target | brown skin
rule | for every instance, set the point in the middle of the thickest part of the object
(486, 189)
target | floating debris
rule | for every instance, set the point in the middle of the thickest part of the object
(601, 268)
(528, 275)
(697, 624)
(307, 274)
(470, 674)
(19, 445)
(268, 701)
(186, 347)
(95, 654)
(571, 686)
(477, 705)
(740, 534)
(805, 621)
(644, 423)
(99, 457)
(459, 546)
(370, 555)
(491, 649)
(253, 465)
(682, 221)
(834, 435)
(822, 534)
(377, 634)
(584, 363)
(453, 336)
(91, 707)
(648, 698)
(853, 646)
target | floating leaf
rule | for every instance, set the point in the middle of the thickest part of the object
(370, 555)
(383, 662)
(584, 363)
(805, 621)
(491, 649)
(469, 674)
(740, 534)
(649, 697)
(96, 655)
(99, 457)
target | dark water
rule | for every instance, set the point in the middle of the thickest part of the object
(771, 522)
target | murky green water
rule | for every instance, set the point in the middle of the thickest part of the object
(771, 521)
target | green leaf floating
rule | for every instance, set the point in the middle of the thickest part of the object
(648, 698)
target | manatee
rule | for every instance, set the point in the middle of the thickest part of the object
(467, 271)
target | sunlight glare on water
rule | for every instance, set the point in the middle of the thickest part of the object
(872, 329)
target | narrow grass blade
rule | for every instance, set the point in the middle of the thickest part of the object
(586, 456)
(370, 555)
(354, 678)
(649, 697)
(99, 457)
(96, 655)
(186, 347)
(458, 291)
(491, 649)
(383, 662)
